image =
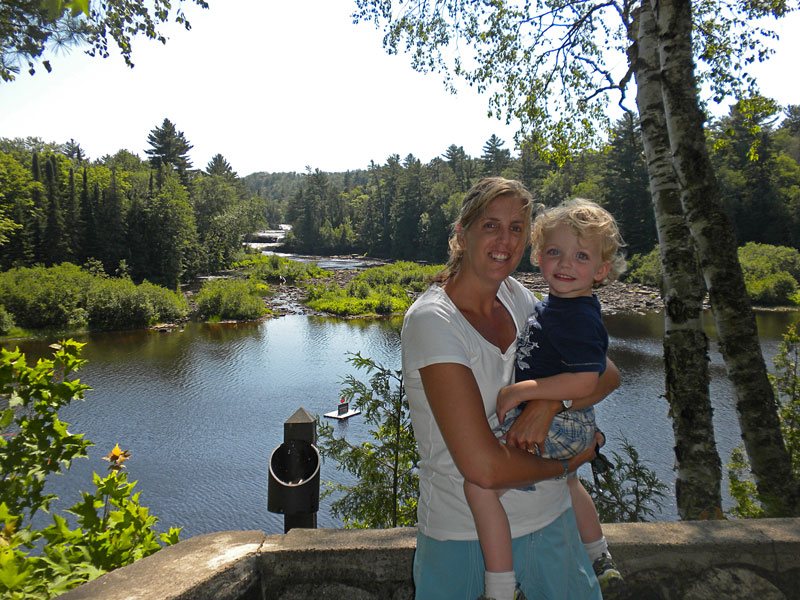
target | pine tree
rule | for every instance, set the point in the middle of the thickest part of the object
(219, 166)
(73, 151)
(626, 180)
(72, 218)
(88, 207)
(55, 250)
(495, 157)
(169, 148)
(111, 236)
(39, 212)
(456, 157)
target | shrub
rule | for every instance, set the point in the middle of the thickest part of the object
(66, 297)
(113, 528)
(273, 267)
(6, 321)
(645, 269)
(773, 289)
(168, 306)
(120, 304)
(770, 273)
(234, 299)
(52, 298)
(629, 491)
(383, 290)
(117, 304)
(758, 260)
(786, 385)
(387, 487)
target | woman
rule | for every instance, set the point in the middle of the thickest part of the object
(458, 344)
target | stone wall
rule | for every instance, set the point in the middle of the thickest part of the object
(707, 560)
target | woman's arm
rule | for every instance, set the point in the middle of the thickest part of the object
(455, 400)
(531, 427)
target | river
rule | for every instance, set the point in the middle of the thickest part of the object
(201, 409)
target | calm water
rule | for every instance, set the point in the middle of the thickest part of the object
(202, 409)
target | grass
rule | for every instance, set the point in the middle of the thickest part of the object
(273, 268)
(385, 290)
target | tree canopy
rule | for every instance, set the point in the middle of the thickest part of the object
(553, 65)
(31, 29)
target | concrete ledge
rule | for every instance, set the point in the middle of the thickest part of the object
(375, 562)
(205, 567)
(709, 559)
(661, 561)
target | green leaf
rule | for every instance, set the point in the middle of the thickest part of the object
(78, 7)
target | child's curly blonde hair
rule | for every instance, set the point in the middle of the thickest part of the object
(588, 219)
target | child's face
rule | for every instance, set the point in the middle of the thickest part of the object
(571, 264)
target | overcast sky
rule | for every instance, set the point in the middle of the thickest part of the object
(275, 86)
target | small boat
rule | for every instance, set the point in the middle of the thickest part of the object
(343, 411)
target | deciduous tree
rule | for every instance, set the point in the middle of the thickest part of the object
(29, 29)
(547, 65)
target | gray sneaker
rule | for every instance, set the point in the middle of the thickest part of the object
(607, 574)
(518, 595)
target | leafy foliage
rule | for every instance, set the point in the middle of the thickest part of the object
(169, 147)
(771, 273)
(6, 321)
(235, 299)
(629, 492)
(388, 485)
(786, 383)
(121, 304)
(276, 269)
(113, 529)
(165, 222)
(380, 290)
(66, 297)
(35, 442)
(52, 298)
(645, 268)
(29, 28)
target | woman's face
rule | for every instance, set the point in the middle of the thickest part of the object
(494, 243)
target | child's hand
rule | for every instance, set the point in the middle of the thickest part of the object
(506, 400)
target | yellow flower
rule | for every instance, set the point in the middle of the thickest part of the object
(116, 457)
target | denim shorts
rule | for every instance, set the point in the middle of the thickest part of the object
(550, 564)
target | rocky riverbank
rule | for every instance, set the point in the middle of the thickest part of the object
(616, 297)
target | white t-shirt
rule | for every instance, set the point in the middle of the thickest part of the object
(434, 331)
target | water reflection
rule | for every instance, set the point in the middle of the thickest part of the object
(638, 409)
(201, 409)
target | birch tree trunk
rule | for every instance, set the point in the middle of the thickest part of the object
(699, 472)
(716, 246)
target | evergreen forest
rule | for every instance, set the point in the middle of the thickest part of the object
(162, 220)
(401, 210)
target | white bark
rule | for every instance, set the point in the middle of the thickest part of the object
(685, 343)
(714, 238)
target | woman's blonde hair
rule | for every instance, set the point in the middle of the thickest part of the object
(473, 207)
(588, 219)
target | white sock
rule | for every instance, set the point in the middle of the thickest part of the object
(499, 586)
(597, 548)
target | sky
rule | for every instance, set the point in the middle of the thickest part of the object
(277, 86)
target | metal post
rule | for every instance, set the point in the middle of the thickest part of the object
(294, 473)
(301, 426)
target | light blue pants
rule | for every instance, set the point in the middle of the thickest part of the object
(550, 564)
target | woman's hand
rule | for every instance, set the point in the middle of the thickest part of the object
(506, 400)
(530, 428)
